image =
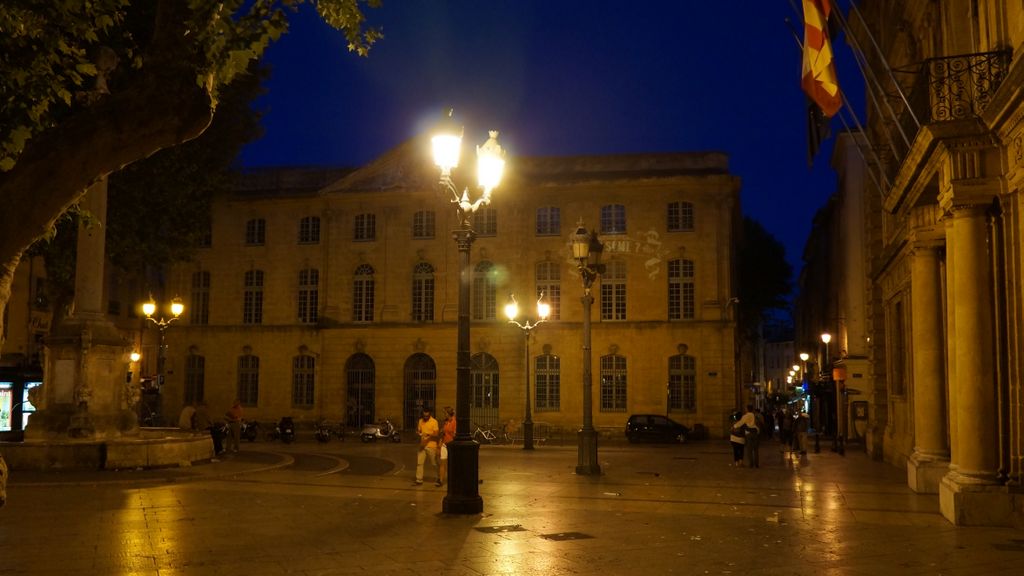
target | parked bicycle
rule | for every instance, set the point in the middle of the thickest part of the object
(484, 436)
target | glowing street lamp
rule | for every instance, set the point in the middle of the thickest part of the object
(463, 495)
(543, 311)
(149, 308)
(826, 338)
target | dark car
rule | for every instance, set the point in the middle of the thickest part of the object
(655, 428)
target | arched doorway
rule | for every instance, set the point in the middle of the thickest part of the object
(483, 407)
(420, 387)
(362, 394)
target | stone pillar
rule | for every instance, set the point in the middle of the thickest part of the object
(930, 460)
(83, 393)
(969, 493)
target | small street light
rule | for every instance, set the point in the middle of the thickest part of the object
(463, 495)
(826, 338)
(586, 250)
(149, 308)
(543, 311)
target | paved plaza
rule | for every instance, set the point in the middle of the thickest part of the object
(350, 508)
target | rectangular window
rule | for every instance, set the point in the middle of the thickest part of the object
(199, 307)
(249, 380)
(680, 217)
(613, 383)
(303, 381)
(613, 292)
(423, 224)
(549, 284)
(255, 232)
(362, 294)
(483, 292)
(548, 383)
(365, 228)
(423, 293)
(309, 295)
(252, 305)
(681, 290)
(549, 221)
(485, 221)
(613, 219)
(309, 230)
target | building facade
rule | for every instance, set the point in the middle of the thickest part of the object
(340, 301)
(943, 305)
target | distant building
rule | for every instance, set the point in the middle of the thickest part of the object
(339, 300)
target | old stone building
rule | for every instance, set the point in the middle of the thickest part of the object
(322, 295)
(943, 252)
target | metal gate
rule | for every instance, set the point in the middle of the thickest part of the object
(483, 408)
(420, 388)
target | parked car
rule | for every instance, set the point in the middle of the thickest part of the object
(655, 428)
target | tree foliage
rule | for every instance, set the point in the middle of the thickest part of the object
(764, 276)
(89, 87)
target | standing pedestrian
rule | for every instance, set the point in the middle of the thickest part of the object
(447, 435)
(737, 438)
(234, 418)
(751, 444)
(428, 432)
(203, 423)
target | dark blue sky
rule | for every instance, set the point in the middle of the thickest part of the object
(564, 77)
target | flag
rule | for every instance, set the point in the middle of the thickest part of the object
(819, 71)
(817, 130)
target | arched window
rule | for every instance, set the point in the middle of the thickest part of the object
(362, 294)
(682, 383)
(195, 378)
(303, 381)
(249, 379)
(547, 388)
(613, 383)
(423, 293)
(483, 404)
(483, 293)
(360, 407)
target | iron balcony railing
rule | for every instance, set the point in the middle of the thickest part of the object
(949, 89)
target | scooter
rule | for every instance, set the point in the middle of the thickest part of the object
(324, 431)
(286, 430)
(382, 429)
(250, 430)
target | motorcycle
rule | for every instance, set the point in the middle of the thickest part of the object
(250, 430)
(382, 429)
(324, 431)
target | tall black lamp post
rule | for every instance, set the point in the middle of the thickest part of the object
(463, 495)
(586, 250)
(543, 311)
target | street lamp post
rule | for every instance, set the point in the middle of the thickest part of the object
(586, 250)
(543, 311)
(149, 308)
(826, 366)
(463, 495)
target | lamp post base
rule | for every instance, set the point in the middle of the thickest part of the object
(463, 479)
(587, 463)
(528, 435)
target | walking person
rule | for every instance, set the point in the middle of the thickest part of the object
(234, 418)
(429, 433)
(447, 435)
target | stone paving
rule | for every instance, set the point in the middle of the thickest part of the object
(349, 508)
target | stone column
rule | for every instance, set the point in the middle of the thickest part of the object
(970, 494)
(83, 393)
(930, 460)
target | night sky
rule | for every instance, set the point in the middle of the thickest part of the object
(560, 78)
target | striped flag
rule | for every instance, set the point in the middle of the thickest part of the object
(819, 71)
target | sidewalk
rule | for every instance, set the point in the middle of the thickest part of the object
(654, 510)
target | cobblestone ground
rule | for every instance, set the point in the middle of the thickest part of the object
(350, 508)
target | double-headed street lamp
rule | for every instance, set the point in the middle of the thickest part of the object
(463, 495)
(149, 308)
(543, 311)
(586, 250)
